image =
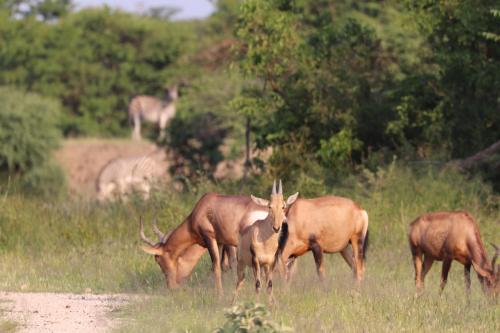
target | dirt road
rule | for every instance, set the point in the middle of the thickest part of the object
(54, 313)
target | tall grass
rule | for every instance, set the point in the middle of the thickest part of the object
(74, 245)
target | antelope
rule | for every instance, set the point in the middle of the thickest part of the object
(153, 110)
(326, 224)
(215, 220)
(258, 243)
(228, 256)
(123, 175)
(188, 259)
(448, 236)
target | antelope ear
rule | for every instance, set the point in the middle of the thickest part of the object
(259, 201)
(291, 199)
(152, 250)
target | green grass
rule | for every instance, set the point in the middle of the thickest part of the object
(386, 302)
(73, 245)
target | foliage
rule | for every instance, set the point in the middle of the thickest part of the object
(424, 90)
(46, 180)
(46, 10)
(195, 144)
(468, 83)
(28, 130)
(251, 318)
(325, 78)
(94, 61)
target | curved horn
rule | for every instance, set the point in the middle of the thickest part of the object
(274, 187)
(157, 231)
(280, 188)
(143, 236)
(165, 237)
(497, 252)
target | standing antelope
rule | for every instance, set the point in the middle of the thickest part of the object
(258, 243)
(153, 110)
(326, 225)
(215, 220)
(448, 236)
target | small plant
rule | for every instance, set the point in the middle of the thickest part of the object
(250, 318)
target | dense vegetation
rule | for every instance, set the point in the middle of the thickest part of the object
(365, 99)
(342, 83)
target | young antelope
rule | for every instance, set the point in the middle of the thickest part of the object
(258, 243)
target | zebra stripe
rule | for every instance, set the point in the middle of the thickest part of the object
(123, 175)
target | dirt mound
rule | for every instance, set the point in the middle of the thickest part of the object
(83, 159)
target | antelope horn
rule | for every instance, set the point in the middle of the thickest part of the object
(143, 236)
(274, 187)
(157, 231)
(165, 237)
(280, 188)
(497, 252)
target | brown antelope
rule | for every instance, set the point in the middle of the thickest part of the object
(215, 220)
(153, 110)
(188, 259)
(227, 257)
(258, 243)
(448, 236)
(326, 224)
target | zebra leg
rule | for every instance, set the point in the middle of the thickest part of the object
(136, 134)
(162, 124)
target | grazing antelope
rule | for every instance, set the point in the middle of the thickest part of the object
(258, 243)
(153, 110)
(188, 259)
(448, 236)
(326, 224)
(215, 220)
(124, 175)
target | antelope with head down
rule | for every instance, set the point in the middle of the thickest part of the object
(326, 224)
(188, 259)
(215, 220)
(448, 236)
(153, 110)
(258, 243)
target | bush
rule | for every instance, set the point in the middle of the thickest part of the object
(44, 181)
(250, 318)
(28, 134)
(28, 130)
(195, 142)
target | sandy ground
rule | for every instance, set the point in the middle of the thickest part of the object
(54, 313)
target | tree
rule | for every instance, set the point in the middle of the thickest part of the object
(323, 83)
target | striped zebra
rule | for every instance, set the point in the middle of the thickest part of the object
(122, 176)
(153, 110)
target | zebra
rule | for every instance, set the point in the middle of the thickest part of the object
(121, 176)
(153, 110)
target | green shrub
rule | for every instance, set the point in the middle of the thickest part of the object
(250, 318)
(45, 180)
(195, 142)
(28, 130)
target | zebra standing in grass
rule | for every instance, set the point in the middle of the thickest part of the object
(153, 110)
(122, 176)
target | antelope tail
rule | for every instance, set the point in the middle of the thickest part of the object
(365, 233)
